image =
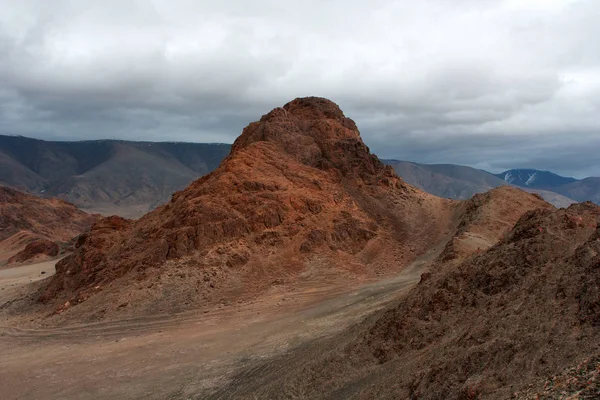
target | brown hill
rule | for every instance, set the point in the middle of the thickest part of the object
(484, 328)
(486, 218)
(299, 191)
(29, 223)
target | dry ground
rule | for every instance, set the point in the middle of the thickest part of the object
(180, 356)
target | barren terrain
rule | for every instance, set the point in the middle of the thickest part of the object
(291, 271)
(191, 354)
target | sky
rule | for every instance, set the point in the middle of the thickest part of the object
(493, 84)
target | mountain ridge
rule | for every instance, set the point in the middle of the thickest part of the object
(131, 178)
(108, 176)
(462, 182)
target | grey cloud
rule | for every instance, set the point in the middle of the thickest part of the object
(490, 83)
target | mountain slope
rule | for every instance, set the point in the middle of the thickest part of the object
(109, 176)
(587, 189)
(26, 220)
(461, 182)
(299, 192)
(486, 218)
(485, 327)
(148, 180)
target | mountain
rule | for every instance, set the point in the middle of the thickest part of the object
(446, 180)
(534, 179)
(299, 195)
(32, 226)
(299, 192)
(461, 182)
(486, 218)
(492, 325)
(587, 189)
(105, 176)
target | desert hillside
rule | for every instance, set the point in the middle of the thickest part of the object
(32, 227)
(500, 322)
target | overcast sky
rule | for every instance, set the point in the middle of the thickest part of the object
(494, 84)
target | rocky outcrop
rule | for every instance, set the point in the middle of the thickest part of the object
(524, 309)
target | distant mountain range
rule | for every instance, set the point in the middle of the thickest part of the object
(131, 178)
(579, 190)
(105, 176)
(461, 182)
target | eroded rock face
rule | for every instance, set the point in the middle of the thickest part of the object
(299, 184)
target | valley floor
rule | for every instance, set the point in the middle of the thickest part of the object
(15, 277)
(189, 355)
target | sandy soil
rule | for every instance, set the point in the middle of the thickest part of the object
(185, 355)
(17, 276)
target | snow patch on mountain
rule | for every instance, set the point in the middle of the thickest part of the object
(531, 179)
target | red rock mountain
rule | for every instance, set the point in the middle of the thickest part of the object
(298, 189)
(30, 226)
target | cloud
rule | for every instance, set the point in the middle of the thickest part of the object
(495, 83)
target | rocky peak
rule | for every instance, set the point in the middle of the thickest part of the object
(316, 132)
(314, 108)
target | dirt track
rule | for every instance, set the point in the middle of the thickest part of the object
(179, 356)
